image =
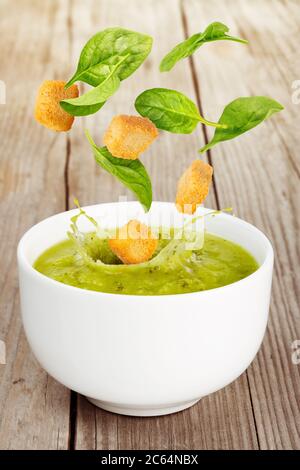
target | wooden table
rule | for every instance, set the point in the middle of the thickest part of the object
(257, 174)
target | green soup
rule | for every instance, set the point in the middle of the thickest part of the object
(218, 263)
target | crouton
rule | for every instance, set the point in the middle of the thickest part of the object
(193, 186)
(134, 243)
(128, 136)
(47, 109)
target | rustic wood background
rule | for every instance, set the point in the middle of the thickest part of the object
(257, 174)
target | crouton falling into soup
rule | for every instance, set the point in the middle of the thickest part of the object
(128, 136)
(193, 186)
(134, 243)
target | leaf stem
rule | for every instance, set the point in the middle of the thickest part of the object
(89, 137)
(213, 124)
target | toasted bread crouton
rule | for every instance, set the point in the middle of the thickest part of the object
(47, 109)
(128, 136)
(193, 186)
(134, 243)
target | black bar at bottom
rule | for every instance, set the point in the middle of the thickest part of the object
(135, 459)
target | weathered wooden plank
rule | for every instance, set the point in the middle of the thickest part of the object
(258, 175)
(34, 408)
(223, 420)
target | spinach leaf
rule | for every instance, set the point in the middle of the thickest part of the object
(106, 49)
(241, 115)
(214, 32)
(170, 110)
(93, 100)
(76, 110)
(131, 173)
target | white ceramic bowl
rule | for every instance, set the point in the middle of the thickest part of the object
(144, 355)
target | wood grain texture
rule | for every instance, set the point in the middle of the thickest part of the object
(34, 409)
(258, 174)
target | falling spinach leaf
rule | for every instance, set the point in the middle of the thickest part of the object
(131, 173)
(214, 32)
(108, 57)
(241, 115)
(106, 49)
(170, 110)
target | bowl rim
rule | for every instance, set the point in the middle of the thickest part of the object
(28, 267)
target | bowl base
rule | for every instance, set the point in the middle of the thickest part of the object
(142, 411)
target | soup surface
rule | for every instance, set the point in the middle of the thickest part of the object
(172, 270)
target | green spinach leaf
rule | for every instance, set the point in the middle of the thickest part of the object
(241, 115)
(131, 173)
(94, 99)
(214, 32)
(76, 110)
(170, 110)
(106, 49)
